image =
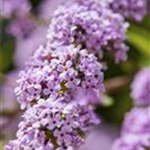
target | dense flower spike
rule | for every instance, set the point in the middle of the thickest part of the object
(134, 9)
(136, 129)
(10, 8)
(141, 88)
(52, 125)
(56, 72)
(91, 25)
(64, 79)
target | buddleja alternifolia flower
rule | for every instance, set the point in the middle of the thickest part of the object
(135, 133)
(91, 25)
(141, 87)
(57, 117)
(53, 74)
(57, 72)
(53, 125)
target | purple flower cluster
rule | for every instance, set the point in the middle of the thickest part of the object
(10, 8)
(141, 88)
(53, 125)
(136, 129)
(56, 74)
(64, 79)
(92, 25)
(131, 9)
(56, 71)
(141, 123)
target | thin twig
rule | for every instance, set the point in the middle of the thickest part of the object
(9, 113)
(116, 83)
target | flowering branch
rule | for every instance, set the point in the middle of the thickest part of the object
(116, 83)
(63, 80)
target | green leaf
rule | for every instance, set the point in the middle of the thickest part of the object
(139, 38)
(2, 144)
(144, 61)
(6, 55)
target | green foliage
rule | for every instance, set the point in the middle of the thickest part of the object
(2, 143)
(7, 48)
(6, 57)
(139, 38)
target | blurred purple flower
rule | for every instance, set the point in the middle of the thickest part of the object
(135, 132)
(21, 28)
(100, 138)
(140, 124)
(8, 100)
(11, 8)
(141, 87)
(85, 96)
(26, 47)
(9, 117)
(132, 142)
(9, 126)
(134, 9)
(47, 8)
